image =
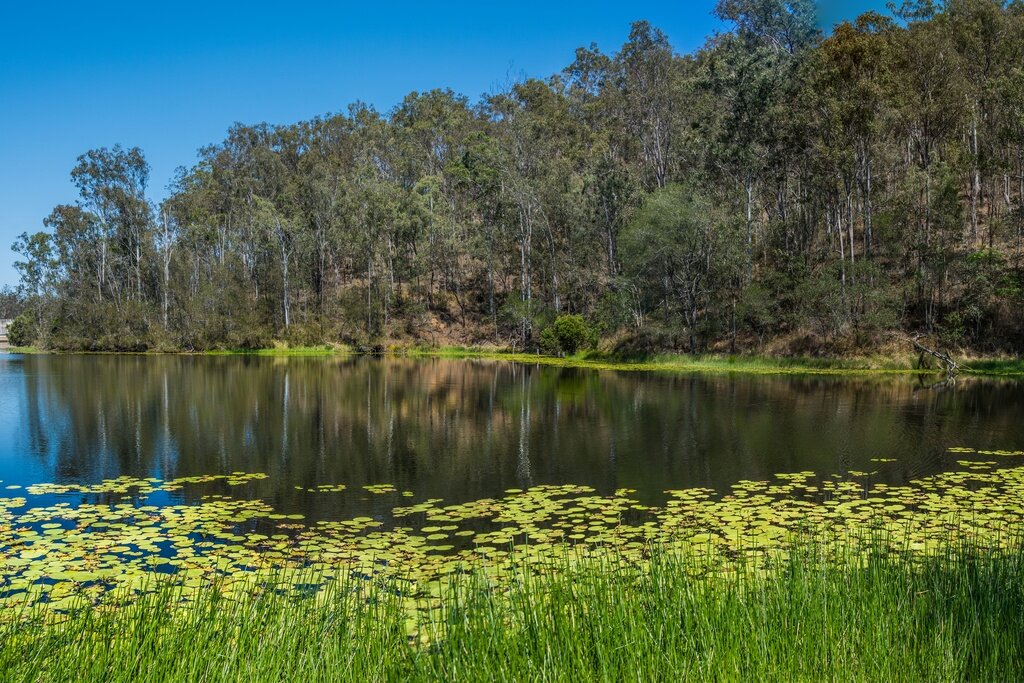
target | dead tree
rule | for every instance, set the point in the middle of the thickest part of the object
(943, 357)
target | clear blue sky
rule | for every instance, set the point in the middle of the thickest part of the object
(171, 77)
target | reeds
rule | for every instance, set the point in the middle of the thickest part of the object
(958, 615)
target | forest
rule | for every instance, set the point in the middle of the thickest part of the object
(781, 190)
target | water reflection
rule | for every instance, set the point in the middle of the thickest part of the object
(463, 430)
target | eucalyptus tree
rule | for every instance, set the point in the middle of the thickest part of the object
(374, 177)
(323, 197)
(929, 96)
(477, 176)
(843, 93)
(751, 71)
(610, 184)
(431, 131)
(647, 76)
(11, 303)
(112, 185)
(36, 267)
(676, 247)
(77, 241)
(773, 183)
(516, 164)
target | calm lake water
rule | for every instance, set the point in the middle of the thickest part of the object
(465, 430)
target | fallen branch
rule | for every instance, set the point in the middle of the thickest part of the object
(951, 365)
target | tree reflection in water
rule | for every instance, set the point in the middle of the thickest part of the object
(464, 430)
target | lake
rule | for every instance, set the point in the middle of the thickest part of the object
(463, 430)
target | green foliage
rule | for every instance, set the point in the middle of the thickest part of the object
(548, 341)
(22, 331)
(955, 617)
(681, 252)
(567, 335)
(304, 335)
(776, 185)
(520, 318)
(755, 310)
(11, 303)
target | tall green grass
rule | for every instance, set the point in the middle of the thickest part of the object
(286, 350)
(959, 616)
(1006, 366)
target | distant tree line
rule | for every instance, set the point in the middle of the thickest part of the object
(776, 189)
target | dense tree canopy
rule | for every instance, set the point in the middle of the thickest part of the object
(776, 188)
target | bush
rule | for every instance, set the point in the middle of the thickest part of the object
(567, 335)
(548, 342)
(21, 331)
(247, 339)
(304, 335)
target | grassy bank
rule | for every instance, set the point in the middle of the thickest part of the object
(285, 350)
(278, 350)
(955, 616)
(764, 365)
(880, 365)
(22, 349)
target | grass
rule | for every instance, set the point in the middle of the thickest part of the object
(879, 365)
(286, 350)
(22, 349)
(741, 364)
(996, 367)
(955, 616)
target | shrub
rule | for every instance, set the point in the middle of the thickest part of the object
(304, 335)
(548, 342)
(21, 331)
(248, 339)
(567, 335)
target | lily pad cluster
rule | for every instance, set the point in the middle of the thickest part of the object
(141, 487)
(964, 449)
(66, 555)
(323, 488)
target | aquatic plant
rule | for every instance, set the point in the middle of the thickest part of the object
(109, 543)
(951, 616)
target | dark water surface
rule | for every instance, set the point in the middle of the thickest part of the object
(465, 430)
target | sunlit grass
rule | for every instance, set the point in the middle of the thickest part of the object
(953, 616)
(797, 365)
(21, 349)
(916, 582)
(685, 363)
(654, 362)
(285, 350)
(1010, 366)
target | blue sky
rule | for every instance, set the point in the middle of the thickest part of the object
(171, 77)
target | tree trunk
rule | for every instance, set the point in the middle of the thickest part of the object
(285, 284)
(749, 187)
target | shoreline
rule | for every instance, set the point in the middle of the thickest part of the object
(594, 360)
